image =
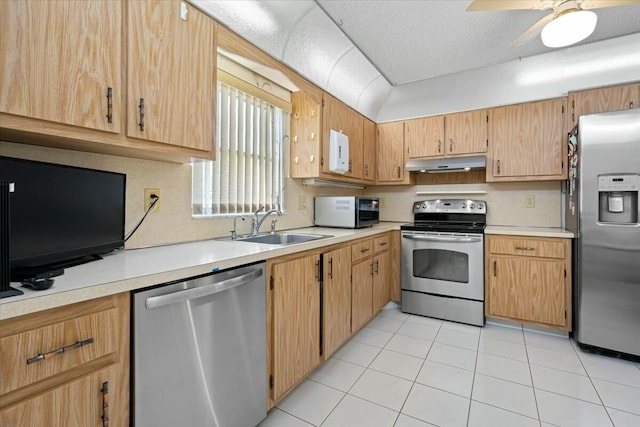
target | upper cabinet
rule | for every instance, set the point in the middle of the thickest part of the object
(63, 62)
(64, 77)
(602, 100)
(527, 141)
(171, 74)
(450, 135)
(391, 154)
(311, 122)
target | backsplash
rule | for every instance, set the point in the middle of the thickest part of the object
(173, 224)
(505, 201)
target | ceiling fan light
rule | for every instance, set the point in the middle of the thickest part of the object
(569, 28)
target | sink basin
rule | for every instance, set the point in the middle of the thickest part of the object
(282, 238)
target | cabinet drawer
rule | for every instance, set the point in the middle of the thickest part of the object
(361, 250)
(381, 244)
(31, 356)
(543, 248)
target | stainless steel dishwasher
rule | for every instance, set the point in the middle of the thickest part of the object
(200, 351)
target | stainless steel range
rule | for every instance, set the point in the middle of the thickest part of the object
(443, 260)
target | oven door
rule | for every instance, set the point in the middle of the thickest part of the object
(448, 264)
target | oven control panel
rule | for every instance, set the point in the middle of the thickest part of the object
(450, 206)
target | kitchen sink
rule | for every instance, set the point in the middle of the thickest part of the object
(282, 238)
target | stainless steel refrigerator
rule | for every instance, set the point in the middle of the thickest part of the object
(602, 210)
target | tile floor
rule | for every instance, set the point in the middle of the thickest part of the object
(410, 371)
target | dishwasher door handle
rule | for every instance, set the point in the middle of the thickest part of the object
(202, 291)
(442, 238)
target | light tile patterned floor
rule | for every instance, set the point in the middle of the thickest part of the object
(402, 370)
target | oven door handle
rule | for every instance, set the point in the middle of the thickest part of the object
(442, 238)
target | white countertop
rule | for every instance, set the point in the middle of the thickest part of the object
(529, 231)
(132, 269)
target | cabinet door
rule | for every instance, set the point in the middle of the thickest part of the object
(466, 133)
(381, 270)
(338, 116)
(361, 293)
(602, 100)
(527, 141)
(530, 289)
(296, 321)
(336, 299)
(425, 136)
(80, 403)
(369, 150)
(171, 74)
(305, 142)
(59, 60)
(390, 154)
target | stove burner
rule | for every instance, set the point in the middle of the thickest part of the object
(448, 215)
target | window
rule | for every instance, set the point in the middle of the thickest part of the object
(247, 173)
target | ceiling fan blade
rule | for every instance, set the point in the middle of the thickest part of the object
(532, 32)
(599, 4)
(482, 5)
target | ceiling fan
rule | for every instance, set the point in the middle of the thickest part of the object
(570, 22)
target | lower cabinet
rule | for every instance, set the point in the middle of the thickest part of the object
(295, 325)
(67, 366)
(307, 322)
(336, 293)
(528, 279)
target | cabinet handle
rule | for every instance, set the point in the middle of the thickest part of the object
(318, 270)
(363, 250)
(398, 171)
(141, 107)
(366, 170)
(105, 404)
(498, 167)
(43, 356)
(494, 269)
(439, 145)
(330, 268)
(350, 166)
(371, 267)
(450, 145)
(525, 248)
(377, 267)
(631, 104)
(109, 105)
(383, 244)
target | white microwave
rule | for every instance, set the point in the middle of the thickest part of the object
(346, 211)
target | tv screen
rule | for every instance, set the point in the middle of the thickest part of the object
(59, 215)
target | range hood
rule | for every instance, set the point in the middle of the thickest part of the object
(454, 164)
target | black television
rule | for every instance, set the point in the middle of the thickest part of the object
(61, 216)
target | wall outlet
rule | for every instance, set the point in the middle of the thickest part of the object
(383, 203)
(148, 199)
(302, 203)
(530, 201)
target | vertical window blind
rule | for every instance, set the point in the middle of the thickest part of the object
(247, 173)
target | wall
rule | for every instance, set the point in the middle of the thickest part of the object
(505, 201)
(549, 75)
(173, 224)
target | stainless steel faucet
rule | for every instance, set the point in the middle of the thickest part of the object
(257, 222)
(234, 234)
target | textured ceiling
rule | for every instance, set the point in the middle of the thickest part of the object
(412, 40)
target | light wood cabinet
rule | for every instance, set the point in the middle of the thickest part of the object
(295, 324)
(527, 142)
(171, 74)
(381, 272)
(338, 116)
(391, 155)
(61, 60)
(67, 366)
(361, 293)
(602, 100)
(528, 279)
(369, 151)
(466, 133)
(425, 136)
(336, 299)
(449, 135)
(306, 145)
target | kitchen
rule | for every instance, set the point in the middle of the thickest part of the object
(505, 200)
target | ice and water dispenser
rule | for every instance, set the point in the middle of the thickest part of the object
(618, 199)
